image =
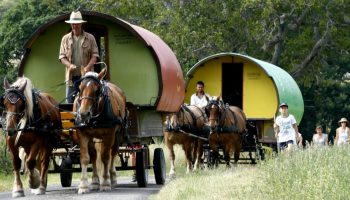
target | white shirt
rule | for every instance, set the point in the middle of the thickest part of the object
(286, 129)
(320, 141)
(200, 102)
(342, 136)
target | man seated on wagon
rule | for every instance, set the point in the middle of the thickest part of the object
(200, 98)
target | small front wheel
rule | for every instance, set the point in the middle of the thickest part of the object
(66, 172)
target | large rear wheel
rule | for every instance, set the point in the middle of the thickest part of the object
(159, 166)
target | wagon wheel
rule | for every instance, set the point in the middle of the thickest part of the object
(260, 152)
(142, 168)
(159, 166)
(212, 159)
(66, 172)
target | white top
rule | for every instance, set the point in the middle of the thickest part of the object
(342, 136)
(286, 130)
(320, 141)
(200, 102)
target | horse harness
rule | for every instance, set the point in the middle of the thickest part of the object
(190, 127)
(220, 127)
(105, 118)
(35, 123)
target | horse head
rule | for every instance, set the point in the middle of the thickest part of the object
(174, 121)
(14, 105)
(213, 112)
(89, 98)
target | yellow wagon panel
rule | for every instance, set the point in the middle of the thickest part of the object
(257, 85)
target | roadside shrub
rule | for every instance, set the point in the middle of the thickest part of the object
(5, 161)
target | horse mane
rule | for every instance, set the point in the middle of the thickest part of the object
(27, 93)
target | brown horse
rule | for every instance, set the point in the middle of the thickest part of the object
(227, 125)
(183, 128)
(30, 122)
(100, 114)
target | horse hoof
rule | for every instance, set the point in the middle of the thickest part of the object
(40, 191)
(34, 180)
(16, 194)
(114, 183)
(95, 186)
(105, 188)
(83, 190)
(172, 176)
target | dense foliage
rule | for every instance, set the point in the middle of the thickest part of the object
(308, 38)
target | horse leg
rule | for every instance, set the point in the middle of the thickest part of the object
(187, 147)
(95, 181)
(105, 184)
(17, 190)
(237, 148)
(214, 153)
(114, 153)
(31, 162)
(84, 161)
(44, 161)
(199, 154)
(227, 154)
(112, 170)
(170, 145)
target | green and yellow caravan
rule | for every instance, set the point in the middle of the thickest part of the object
(138, 61)
(256, 86)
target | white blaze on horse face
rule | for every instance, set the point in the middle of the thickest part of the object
(213, 115)
(174, 120)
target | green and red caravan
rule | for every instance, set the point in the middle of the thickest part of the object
(256, 86)
(138, 61)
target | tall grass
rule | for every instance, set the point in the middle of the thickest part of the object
(305, 174)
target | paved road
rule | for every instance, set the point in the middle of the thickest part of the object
(126, 190)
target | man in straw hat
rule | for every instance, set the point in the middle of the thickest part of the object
(286, 128)
(78, 50)
(342, 134)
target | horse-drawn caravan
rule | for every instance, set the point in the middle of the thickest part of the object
(255, 86)
(137, 61)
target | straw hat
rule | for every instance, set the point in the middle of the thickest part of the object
(343, 120)
(283, 104)
(75, 18)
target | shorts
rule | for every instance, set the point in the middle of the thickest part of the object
(284, 145)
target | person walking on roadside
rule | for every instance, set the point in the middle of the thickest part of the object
(320, 138)
(342, 134)
(286, 128)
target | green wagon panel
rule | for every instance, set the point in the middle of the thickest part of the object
(140, 62)
(43, 66)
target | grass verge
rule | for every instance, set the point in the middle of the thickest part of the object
(305, 174)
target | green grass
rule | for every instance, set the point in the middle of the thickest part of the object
(305, 174)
